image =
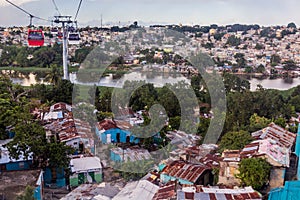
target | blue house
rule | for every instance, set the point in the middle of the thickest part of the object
(8, 164)
(39, 188)
(291, 189)
(60, 180)
(111, 131)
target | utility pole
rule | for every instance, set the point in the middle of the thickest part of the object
(64, 20)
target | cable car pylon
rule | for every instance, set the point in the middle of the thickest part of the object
(64, 20)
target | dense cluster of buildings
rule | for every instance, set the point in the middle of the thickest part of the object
(256, 47)
(190, 171)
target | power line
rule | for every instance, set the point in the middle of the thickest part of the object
(28, 13)
(78, 10)
(56, 8)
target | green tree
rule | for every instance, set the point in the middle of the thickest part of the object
(257, 123)
(240, 59)
(275, 59)
(292, 25)
(233, 41)
(254, 172)
(28, 194)
(260, 69)
(289, 65)
(55, 75)
(280, 122)
(234, 140)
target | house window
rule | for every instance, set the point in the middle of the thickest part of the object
(75, 143)
(21, 165)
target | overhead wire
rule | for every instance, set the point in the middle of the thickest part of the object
(77, 10)
(28, 13)
(56, 8)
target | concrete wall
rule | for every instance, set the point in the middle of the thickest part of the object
(277, 177)
(227, 173)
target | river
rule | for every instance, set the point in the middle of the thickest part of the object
(26, 79)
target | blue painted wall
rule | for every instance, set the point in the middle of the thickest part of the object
(166, 178)
(290, 191)
(113, 132)
(60, 177)
(38, 193)
(13, 166)
(115, 157)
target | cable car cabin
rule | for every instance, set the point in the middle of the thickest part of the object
(59, 34)
(35, 37)
(74, 38)
(54, 31)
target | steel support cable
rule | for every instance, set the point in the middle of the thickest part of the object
(28, 13)
(56, 8)
(77, 10)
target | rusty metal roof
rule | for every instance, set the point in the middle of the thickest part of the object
(183, 170)
(106, 124)
(166, 192)
(283, 137)
(217, 193)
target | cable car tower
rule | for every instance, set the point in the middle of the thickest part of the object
(36, 37)
(64, 20)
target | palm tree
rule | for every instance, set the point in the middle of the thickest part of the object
(55, 75)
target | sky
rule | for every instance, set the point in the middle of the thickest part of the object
(146, 12)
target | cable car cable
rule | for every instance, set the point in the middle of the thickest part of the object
(78, 10)
(56, 8)
(28, 13)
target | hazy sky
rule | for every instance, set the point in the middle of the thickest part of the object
(203, 12)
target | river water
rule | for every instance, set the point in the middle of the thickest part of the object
(158, 79)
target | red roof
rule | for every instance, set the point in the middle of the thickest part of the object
(186, 171)
(107, 124)
(165, 192)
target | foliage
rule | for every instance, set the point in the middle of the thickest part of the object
(257, 123)
(55, 75)
(275, 59)
(28, 194)
(234, 140)
(254, 172)
(13, 105)
(289, 65)
(42, 56)
(233, 83)
(233, 41)
(134, 170)
(280, 122)
(30, 138)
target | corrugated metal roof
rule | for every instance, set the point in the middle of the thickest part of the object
(132, 154)
(218, 193)
(186, 171)
(283, 137)
(85, 164)
(137, 190)
(165, 192)
(270, 148)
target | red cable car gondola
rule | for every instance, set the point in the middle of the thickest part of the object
(35, 37)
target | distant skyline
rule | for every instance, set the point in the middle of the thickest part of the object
(191, 12)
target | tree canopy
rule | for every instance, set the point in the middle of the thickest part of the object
(254, 172)
(234, 140)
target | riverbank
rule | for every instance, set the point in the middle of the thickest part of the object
(34, 69)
